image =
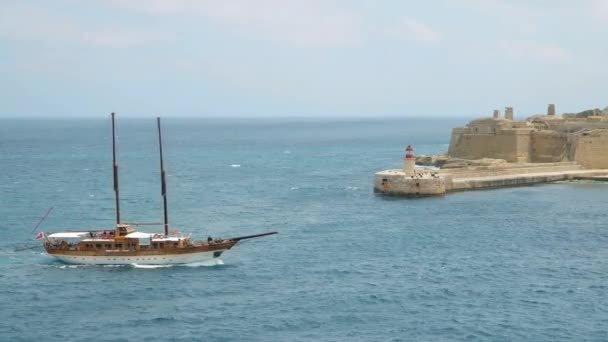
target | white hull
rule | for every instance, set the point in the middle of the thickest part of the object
(168, 259)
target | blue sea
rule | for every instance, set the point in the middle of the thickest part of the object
(514, 264)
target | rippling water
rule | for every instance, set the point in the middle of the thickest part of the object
(527, 264)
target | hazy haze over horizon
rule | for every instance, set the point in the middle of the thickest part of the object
(288, 58)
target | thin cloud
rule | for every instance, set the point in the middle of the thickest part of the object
(531, 50)
(122, 38)
(600, 8)
(30, 23)
(414, 30)
(302, 24)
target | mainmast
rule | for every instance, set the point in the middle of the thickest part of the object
(163, 184)
(115, 168)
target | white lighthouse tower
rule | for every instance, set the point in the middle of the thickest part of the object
(409, 161)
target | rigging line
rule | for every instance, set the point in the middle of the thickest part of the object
(145, 223)
(42, 219)
(25, 248)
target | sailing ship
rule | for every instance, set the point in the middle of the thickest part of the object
(125, 245)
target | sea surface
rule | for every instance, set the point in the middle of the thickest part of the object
(514, 264)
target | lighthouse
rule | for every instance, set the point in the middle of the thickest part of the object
(409, 161)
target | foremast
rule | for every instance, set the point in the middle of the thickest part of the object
(115, 169)
(163, 183)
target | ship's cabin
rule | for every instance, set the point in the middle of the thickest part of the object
(136, 241)
(123, 230)
(123, 238)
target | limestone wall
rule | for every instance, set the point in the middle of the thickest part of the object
(592, 149)
(522, 144)
(548, 147)
(394, 182)
(512, 145)
(539, 139)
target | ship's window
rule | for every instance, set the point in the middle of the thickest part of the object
(98, 245)
(175, 244)
(217, 254)
(119, 245)
(162, 245)
(108, 246)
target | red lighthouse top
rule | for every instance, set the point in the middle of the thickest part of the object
(409, 152)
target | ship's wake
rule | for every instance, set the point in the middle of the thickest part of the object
(208, 263)
(214, 262)
(150, 266)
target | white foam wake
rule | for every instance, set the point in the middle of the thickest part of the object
(72, 266)
(151, 266)
(212, 262)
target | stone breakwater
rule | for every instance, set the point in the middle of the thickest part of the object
(429, 183)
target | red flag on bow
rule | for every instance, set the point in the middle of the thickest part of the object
(40, 236)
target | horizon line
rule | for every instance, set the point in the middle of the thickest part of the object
(242, 117)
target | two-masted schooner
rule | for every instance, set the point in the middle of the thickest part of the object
(124, 245)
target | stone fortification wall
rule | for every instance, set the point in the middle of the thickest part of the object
(395, 182)
(542, 138)
(548, 147)
(580, 124)
(512, 145)
(592, 149)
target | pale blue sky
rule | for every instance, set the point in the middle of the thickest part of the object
(278, 58)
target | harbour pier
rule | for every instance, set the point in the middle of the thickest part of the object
(439, 182)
